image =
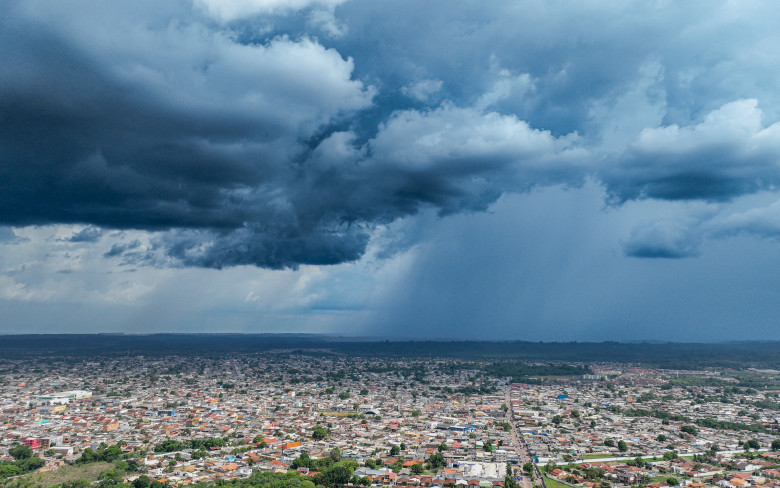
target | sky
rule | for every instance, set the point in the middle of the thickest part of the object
(532, 170)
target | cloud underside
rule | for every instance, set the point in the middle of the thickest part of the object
(281, 151)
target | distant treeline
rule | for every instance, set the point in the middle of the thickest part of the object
(662, 355)
(520, 372)
(705, 422)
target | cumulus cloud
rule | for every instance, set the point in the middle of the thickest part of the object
(728, 154)
(235, 145)
(762, 222)
(450, 159)
(142, 142)
(664, 239)
(422, 90)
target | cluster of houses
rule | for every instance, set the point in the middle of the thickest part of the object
(267, 412)
(389, 416)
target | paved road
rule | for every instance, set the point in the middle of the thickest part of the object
(518, 442)
(648, 457)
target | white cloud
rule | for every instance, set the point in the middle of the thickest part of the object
(727, 154)
(454, 139)
(422, 90)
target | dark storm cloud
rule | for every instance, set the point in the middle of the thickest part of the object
(120, 249)
(244, 139)
(211, 146)
(663, 240)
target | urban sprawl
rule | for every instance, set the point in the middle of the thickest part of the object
(319, 419)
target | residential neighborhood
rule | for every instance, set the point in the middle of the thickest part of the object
(392, 422)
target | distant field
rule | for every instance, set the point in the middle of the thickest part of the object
(90, 472)
(596, 456)
(337, 414)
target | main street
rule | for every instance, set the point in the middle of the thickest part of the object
(519, 443)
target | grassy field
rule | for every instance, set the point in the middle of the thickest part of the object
(662, 478)
(551, 483)
(90, 472)
(596, 455)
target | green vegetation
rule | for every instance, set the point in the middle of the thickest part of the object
(436, 461)
(553, 483)
(722, 424)
(659, 414)
(281, 480)
(319, 433)
(668, 355)
(23, 462)
(65, 476)
(520, 372)
(104, 453)
(20, 452)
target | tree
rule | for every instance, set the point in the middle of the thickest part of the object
(417, 468)
(776, 444)
(670, 455)
(639, 462)
(752, 444)
(594, 473)
(557, 419)
(609, 443)
(363, 392)
(403, 446)
(303, 461)
(395, 450)
(436, 461)
(8, 469)
(142, 481)
(319, 433)
(689, 429)
(20, 452)
(672, 481)
(338, 475)
(622, 446)
(335, 454)
(504, 407)
(442, 447)
(528, 468)
(661, 438)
